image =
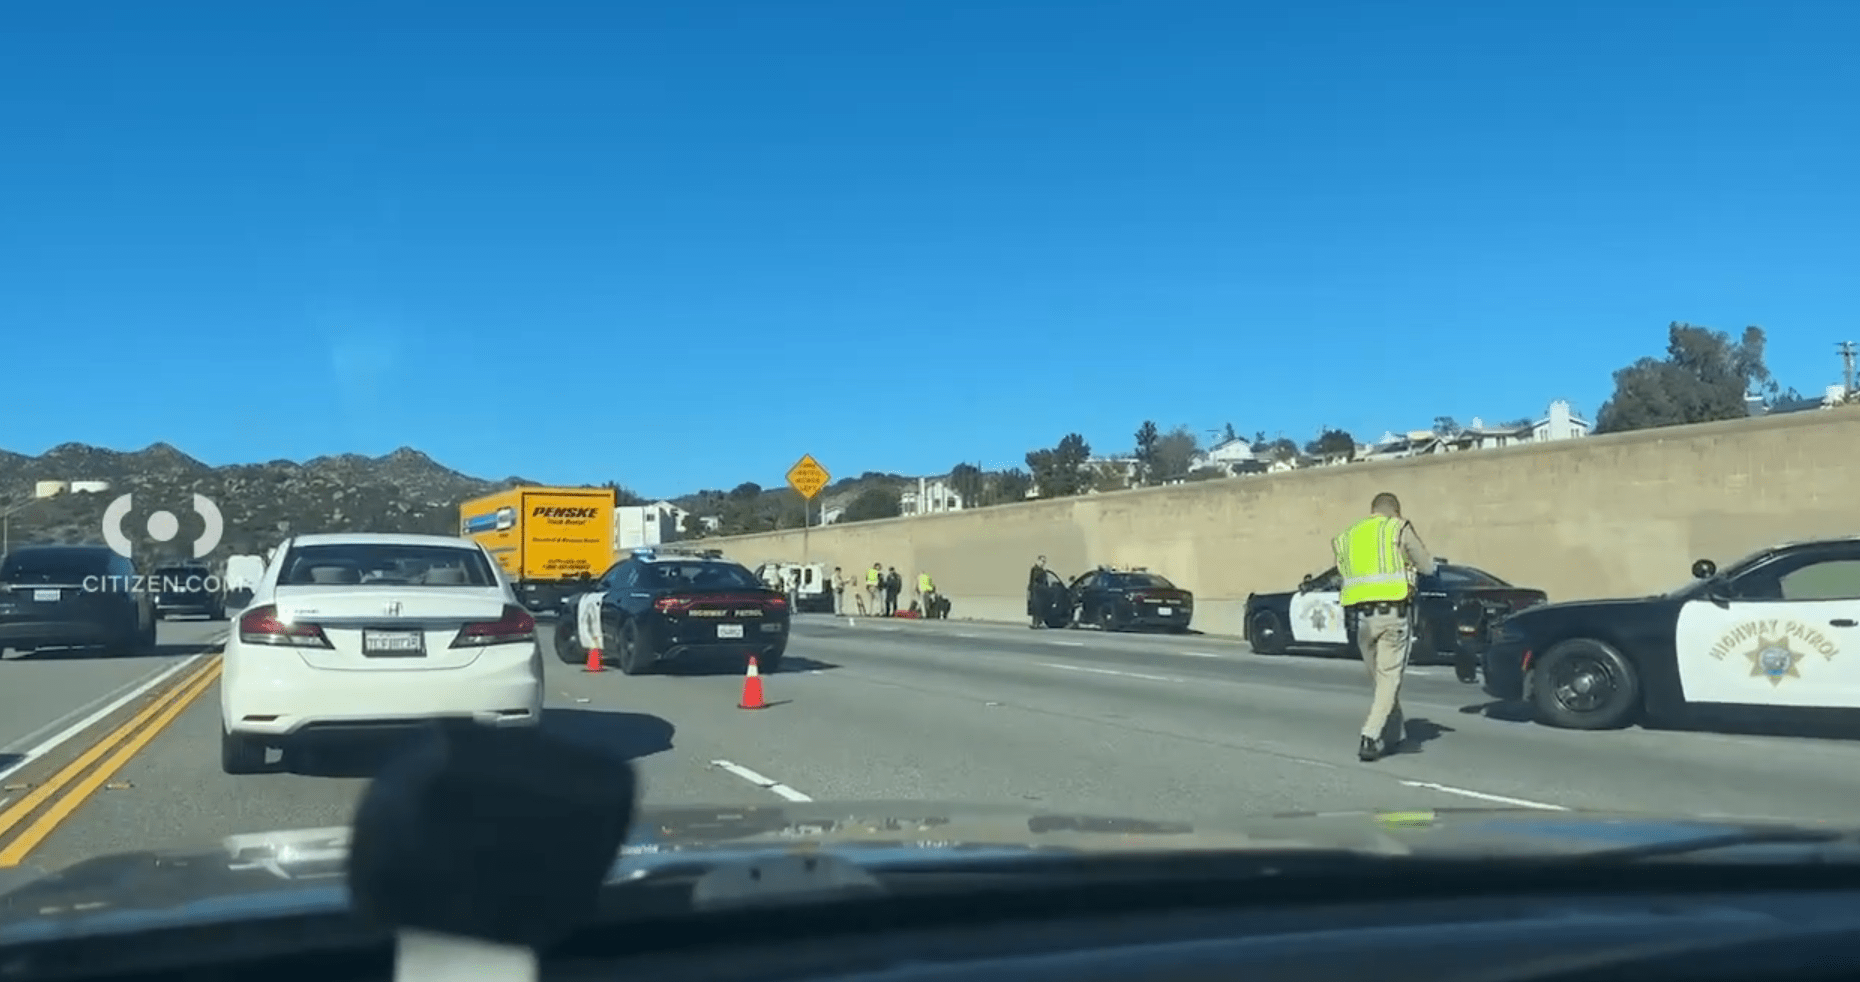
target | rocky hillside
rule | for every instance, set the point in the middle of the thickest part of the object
(404, 491)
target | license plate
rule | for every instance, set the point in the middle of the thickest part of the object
(729, 630)
(1165, 611)
(45, 596)
(393, 643)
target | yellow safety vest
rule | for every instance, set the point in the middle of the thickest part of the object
(923, 583)
(1372, 564)
(871, 577)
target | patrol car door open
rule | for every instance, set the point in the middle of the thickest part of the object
(1782, 633)
(1317, 612)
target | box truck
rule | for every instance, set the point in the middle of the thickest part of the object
(550, 541)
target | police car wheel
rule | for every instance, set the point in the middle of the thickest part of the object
(567, 646)
(634, 657)
(1266, 634)
(1584, 684)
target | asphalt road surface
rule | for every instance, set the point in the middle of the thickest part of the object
(43, 695)
(1168, 727)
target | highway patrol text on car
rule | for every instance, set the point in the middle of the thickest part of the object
(1458, 610)
(660, 604)
(1776, 634)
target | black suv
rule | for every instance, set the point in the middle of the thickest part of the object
(657, 606)
(182, 588)
(73, 597)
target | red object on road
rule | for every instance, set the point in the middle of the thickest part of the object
(752, 688)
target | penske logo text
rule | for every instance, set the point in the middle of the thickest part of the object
(569, 514)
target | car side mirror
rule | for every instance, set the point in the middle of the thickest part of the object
(1704, 569)
(1304, 585)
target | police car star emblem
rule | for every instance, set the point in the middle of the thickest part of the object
(1773, 659)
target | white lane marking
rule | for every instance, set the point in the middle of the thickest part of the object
(1482, 796)
(1201, 654)
(1108, 671)
(1067, 644)
(136, 690)
(965, 634)
(765, 783)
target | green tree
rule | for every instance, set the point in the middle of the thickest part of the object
(790, 510)
(1060, 472)
(1175, 454)
(1446, 425)
(1332, 444)
(968, 483)
(1008, 486)
(1705, 376)
(1230, 434)
(1147, 438)
(693, 525)
(871, 504)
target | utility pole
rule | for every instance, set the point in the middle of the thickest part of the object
(1846, 348)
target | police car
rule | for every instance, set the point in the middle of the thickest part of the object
(1775, 634)
(1458, 607)
(664, 603)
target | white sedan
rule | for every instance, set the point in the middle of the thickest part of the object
(362, 632)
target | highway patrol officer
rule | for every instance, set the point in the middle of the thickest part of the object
(1036, 594)
(1378, 559)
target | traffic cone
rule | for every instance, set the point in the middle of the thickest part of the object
(752, 688)
(594, 661)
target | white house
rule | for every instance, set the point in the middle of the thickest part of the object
(933, 495)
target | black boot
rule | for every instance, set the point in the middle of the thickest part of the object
(1368, 749)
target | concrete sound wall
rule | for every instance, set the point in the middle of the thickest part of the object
(1595, 517)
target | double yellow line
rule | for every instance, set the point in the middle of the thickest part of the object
(29, 821)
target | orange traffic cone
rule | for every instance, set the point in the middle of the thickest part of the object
(594, 661)
(752, 688)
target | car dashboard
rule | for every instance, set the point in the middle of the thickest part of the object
(1566, 936)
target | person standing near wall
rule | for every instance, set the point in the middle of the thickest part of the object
(1378, 559)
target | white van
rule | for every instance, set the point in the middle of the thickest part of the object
(805, 583)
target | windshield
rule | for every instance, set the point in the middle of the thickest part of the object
(1137, 581)
(416, 369)
(702, 576)
(64, 566)
(1467, 577)
(385, 565)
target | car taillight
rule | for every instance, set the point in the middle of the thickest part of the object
(776, 602)
(261, 625)
(667, 605)
(514, 627)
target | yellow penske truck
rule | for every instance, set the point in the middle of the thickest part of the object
(550, 541)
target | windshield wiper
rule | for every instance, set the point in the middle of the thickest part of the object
(1711, 843)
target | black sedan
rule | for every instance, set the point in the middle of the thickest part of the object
(73, 597)
(1460, 607)
(658, 606)
(1118, 598)
(1773, 638)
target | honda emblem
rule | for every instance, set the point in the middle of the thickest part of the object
(393, 608)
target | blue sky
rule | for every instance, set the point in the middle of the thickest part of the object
(895, 235)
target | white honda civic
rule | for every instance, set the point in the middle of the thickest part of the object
(362, 632)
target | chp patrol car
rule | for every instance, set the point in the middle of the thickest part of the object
(1456, 611)
(666, 603)
(1773, 636)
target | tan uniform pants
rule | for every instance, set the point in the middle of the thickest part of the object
(1384, 640)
